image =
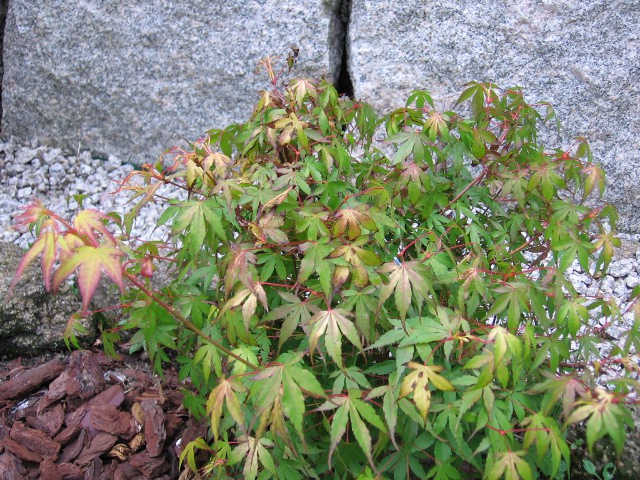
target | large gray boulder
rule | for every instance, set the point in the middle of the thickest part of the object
(33, 321)
(581, 55)
(133, 78)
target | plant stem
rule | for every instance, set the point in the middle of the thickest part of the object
(188, 324)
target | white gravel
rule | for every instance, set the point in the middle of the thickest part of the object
(28, 172)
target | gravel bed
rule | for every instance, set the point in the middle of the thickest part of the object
(28, 172)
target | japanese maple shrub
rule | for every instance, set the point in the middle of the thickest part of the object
(348, 307)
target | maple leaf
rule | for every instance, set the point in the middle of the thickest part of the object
(511, 465)
(595, 176)
(269, 227)
(197, 218)
(312, 262)
(45, 244)
(352, 409)
(350, 220)
(91, 262)
(295, 313)
(358, 258)
(545, 433)
(405, 278)
(224, 394)
(254, 451)
(417, 382)
(603, 414)
(335, 323)
(88, 222)
(567, 388)
(34, 213)
(288, 382)
(241, 268)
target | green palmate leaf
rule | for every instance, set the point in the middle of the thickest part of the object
(225, 394)
(604, 415)
(404, 279)
(313, 263)
(350, 409)
(254, 453)
(511, 465)
(417, 382)
(544, 431)
(210, 358)
(295, 313)
(333, 324)
(338, 425)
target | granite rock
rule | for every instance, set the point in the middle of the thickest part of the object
(134, 78)
(581, 55)
(33, 321)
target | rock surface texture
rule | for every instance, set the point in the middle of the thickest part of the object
(31, 320)
(133, 78)
(580, 55)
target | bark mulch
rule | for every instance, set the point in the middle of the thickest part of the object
(89, 417)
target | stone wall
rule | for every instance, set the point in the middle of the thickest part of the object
(133, 78)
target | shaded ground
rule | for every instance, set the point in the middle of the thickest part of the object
(86, 416)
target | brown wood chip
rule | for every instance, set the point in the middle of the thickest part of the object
(57, 390)
(151, 467)
(10, 467)
(20, 450)
(35, 440)
(69, 471)
(68, 434)
(49, 470)
(94, 469)
(154, 431)
(30, 380)
(99, 444)
(126, 471)
(113, 395)
(52, 419)
(87, 378)
(108, 471)
(73, 449)
(107, 418)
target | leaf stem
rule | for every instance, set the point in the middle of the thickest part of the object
(188, 324)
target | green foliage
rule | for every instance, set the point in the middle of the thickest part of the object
(356, 308)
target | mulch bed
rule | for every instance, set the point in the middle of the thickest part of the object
(89, 417)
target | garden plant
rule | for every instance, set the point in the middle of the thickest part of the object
(364, 296)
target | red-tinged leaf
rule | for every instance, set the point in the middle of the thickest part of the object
(239, 268)
(36, 249)
(33, 213)
(248, 309)
(91, 262)
(88, 222)
(350, 220)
